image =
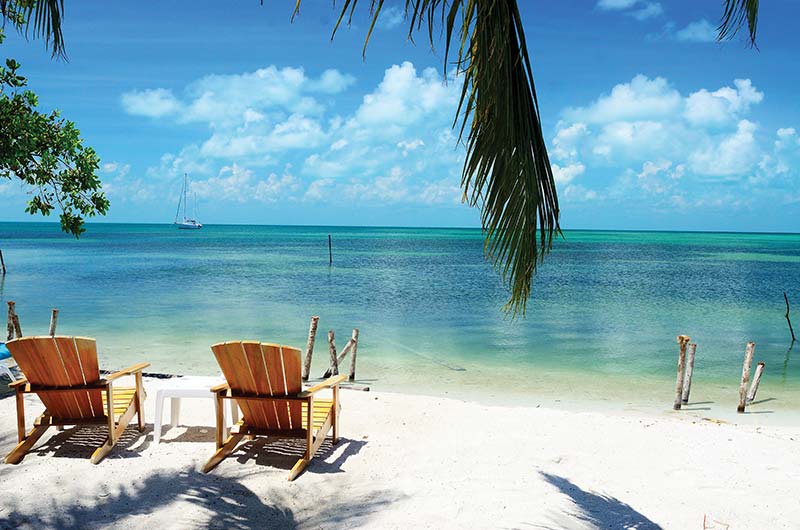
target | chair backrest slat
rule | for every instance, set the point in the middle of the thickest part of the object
(259, 369)
(57, 361)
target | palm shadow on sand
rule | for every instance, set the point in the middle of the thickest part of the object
(596, 510)
(209, 501)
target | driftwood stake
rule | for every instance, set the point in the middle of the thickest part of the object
(354, 341)
(340, 358)
(332, 351)
(687, 383)
(312, 335)
(683, 340)
(748, 360)
(751, 395)
(791, 329)
(53, 321)
(10, 321)
(2, 262)
(330, 251)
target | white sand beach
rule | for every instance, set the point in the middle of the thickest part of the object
(409, 461)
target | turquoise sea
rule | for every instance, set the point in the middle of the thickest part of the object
(601, 324)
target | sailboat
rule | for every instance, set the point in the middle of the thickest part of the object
(188, 223)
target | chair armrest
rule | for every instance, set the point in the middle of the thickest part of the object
(18, 382)
(328, 383)
(220, 388)
(127, 371)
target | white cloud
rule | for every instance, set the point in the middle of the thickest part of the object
(391, 17)
(566, 174)
(333, 81)
(643, 98)
(732, 155)
(152, 103)
(722, 105)
(697, 31)
(616, 5)
(648, 11)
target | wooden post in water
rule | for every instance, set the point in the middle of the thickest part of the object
(17, 329)
(683, 340)
(785, 299)
(751, 395)
(10, 321)
(332, 351)
(2, 262)
(748, 360)
(354, 341)
(53, 322)
(330, 251)
(339, 359)
(687, 384)
(312, 335)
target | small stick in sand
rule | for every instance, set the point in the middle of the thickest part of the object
(332, 350)
(687, 384)
(312, 335)
(10, 321)
(748, 361)
(53, 322)
(683, 340)
(751, 395)
(354, 340)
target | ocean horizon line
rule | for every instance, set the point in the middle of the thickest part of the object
(409, 227)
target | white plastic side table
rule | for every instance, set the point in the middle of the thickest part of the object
(175, 395)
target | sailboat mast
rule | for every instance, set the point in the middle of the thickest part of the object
(185, 186)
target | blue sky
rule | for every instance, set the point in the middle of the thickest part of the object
(650, 124)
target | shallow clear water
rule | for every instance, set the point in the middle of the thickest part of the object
(605, 311)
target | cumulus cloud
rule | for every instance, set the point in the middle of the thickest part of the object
(644, 137)
(152, 103)
(395, 145)
(697, 31)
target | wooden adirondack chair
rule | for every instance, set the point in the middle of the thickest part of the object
(63, 372)
(264, 379)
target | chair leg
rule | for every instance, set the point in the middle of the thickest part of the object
(222, 453)
(140, 401)
(175, 411)
(298, 468)
(18, 453)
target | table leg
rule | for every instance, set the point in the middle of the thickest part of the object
(157, 424)
(175, 411)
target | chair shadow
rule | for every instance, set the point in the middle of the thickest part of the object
(693, 403)
(214, 501)
(283, 453)
(81, 441)
(598, 510)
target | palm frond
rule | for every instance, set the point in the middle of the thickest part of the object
(43, 17)
(736, 14)
(507, 171)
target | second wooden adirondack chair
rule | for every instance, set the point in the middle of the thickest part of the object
(264, 379)
(63, 372)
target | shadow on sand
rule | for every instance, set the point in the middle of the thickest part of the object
(208, 501)
(596, 510)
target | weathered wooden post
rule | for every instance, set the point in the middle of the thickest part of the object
(353, 352)
(683, 340)
(2, 262)
(791, 329)
(332, 351)
(10, 321)
(312, 335)
(53, 321)
(330, 251)
(17, 329)
(339, 359)
(748, 360)
(687, 384)
(751, 395)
